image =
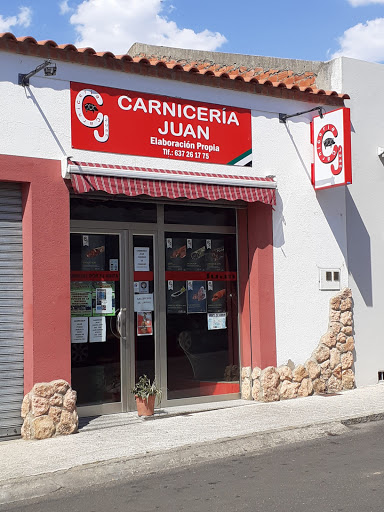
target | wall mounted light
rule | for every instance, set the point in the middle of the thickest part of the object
(49, 70)
(380, 152)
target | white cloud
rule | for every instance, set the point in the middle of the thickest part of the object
(358, 3)
(23, 19)
(116, 24)
(64, 7)
(364, 41)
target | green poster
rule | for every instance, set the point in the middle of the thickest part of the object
(81, 298)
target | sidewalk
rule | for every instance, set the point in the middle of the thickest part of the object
(125, 437)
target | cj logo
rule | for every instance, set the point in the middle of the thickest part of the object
(90, 107)
(323, 154)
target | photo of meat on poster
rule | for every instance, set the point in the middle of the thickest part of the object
(93, 252)
(196, 250)
(215, 255)
(176, 297)
(175, 253)
(196, 297)
(216, 297)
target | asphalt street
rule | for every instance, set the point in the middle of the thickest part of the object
(335, 473)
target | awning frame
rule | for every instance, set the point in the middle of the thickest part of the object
(145, 173)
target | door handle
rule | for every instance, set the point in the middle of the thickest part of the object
(119, 322)
(119, 318)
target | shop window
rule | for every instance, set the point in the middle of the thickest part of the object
(104, 209)
(201, 314)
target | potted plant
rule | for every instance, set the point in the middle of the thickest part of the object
(145, 394)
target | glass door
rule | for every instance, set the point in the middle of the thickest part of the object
(201, 314)
(98, 321)
(144, 301)
(114, 324)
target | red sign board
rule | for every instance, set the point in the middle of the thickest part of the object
(331, 139)
(136, 123)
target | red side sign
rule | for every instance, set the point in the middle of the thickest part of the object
(136, 123)
(331, 139)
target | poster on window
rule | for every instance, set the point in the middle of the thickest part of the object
(141, 286)
(196, 249)
(215, 255)
(143, 302)
(144, 323)
(216, 321)
(216, 296)
(81, 298)
(176, 297)
(97, 330)
(103, 298)
(196, 297)
(141, 258)
(79, 329)
(92, 252)
(176, 251)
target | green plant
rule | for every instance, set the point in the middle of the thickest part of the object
(143, 388)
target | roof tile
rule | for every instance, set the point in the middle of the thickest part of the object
(300, 85)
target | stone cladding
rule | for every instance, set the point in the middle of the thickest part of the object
(328, 370)
(49, 410)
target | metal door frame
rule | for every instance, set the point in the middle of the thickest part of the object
(126, 231)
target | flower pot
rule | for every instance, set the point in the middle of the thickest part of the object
(145, 407)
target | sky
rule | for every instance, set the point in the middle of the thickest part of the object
(302, 29)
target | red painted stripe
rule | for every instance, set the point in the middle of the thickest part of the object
(143, 276)
(173, 275)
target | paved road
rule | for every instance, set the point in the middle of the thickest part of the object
(333, 474)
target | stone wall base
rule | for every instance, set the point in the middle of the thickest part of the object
(49, 410)
(328, 370)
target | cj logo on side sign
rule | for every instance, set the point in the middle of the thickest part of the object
(331, 139)
(90, 107)
(325, 151)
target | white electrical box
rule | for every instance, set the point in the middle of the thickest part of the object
(329, 279)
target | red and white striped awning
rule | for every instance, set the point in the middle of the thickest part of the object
(135, 181)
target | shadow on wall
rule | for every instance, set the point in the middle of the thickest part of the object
(359, 250)
(329, 201)
(278, 223)
(355, 244)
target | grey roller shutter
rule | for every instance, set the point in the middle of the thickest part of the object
(11, 310)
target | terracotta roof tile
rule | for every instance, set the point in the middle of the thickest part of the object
(297, 86)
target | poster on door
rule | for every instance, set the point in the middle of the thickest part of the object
(79, 329)
(176, 297)
(92, 252)
(216, 321)
(215, 255)
(216, 297)
(196, 297)
(103, 298)
(81, 298)
(176, 251)
(196, 249)
(144, 323)
(141, 258)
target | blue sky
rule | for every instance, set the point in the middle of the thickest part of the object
(279, 28)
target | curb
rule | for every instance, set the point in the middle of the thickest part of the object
(110, 472)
